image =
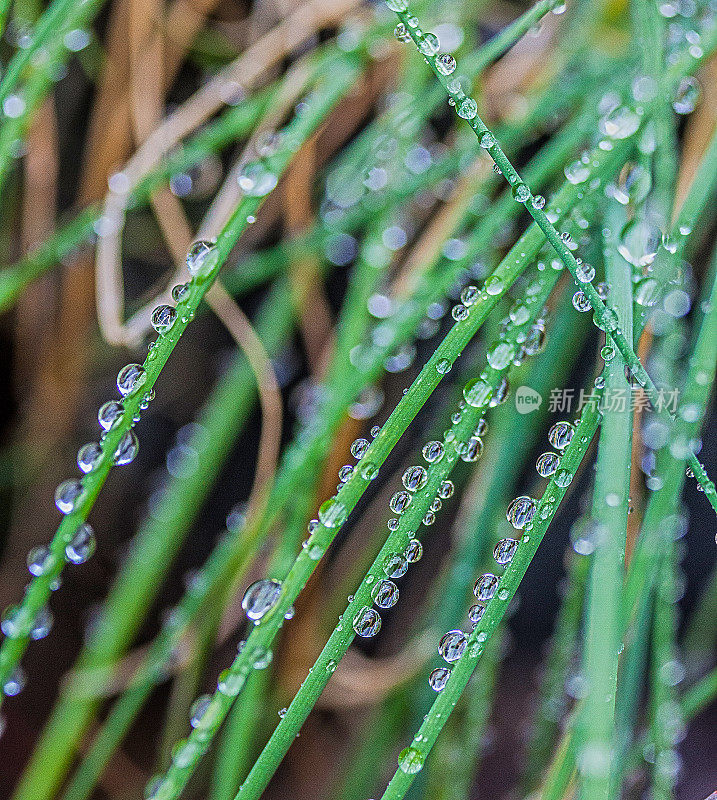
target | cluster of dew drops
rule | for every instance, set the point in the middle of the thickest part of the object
(70, 494)
(520, 514)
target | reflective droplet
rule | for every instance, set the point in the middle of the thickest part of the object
(410, 760)
(560, 435)
(367, 622)
(647, 292)
(439, 678)
(546, 464)
(332, 513)
(687, 95)
(260, 598)
(197, 709)
(110, 414)
(563, 478)
(39, 560)
(477, 392)
(88, 456)
(68, 495)
(163, 317)
(82, 546)
(429, 44)
(256, 180)
(433, 451)
(486, 140)
(415, 478)
(130, 379)
(475, 613)
(581, 302)
(467, 108)
(395, 566)
(15, 683)
(359, 448)
(521, 511)
(127, 449)
(198, 254)
(452, 645)
(413, 551)
(445, 63)
(485, 587)
(385, 594)
(500, 355)
(400, 502)
(446, 490)
(180, 292)
(473, 449)
(639, 242)
(505, 550)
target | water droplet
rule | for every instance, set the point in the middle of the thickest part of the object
(88, 456)
(400, 502)
(413, 551)
(260, 598)
(452, 645)
(459, 312)
(467, 108)
(198, 254)
(163, 317)
(415, 478)
(131, 378)
(477, 392)
(500, 354)
(127, 449)
(505, 550)
(581, 302)
(563, 478)
(395, 566)
(41, 625)
(607, 353)
(401, 33)
(197, 709)
(439, 678)
(475, 613)
(546, 464)
(367, 622)
(385, 594)
(359, 448)
(521, 511)
(332, 512)
(473, 449)
(256, 180)
(446, 490)
(647, 292)
(538, 201)
(485, 587)
(40, 560)
(639, 242)
(486, 140)
(521, 192)
(110, 414)
(560, 435)
(345, 473)
(429, 518)
(619, 123)
(429, 44)
(410, 760)
(443, 366)
(687, 95)
(180, 292)
(494, 285)
(433, 451)
(82, 545)
(584, 272)
(445, 63)
(397, 5)
(15, 683)
(577, 172)
(68, 495)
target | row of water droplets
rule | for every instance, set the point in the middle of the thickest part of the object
(71, 493)
(520, 514)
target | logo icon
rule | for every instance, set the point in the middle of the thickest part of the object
(527, 400)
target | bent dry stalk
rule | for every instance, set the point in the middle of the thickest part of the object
(443, 65)
(21, 618)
